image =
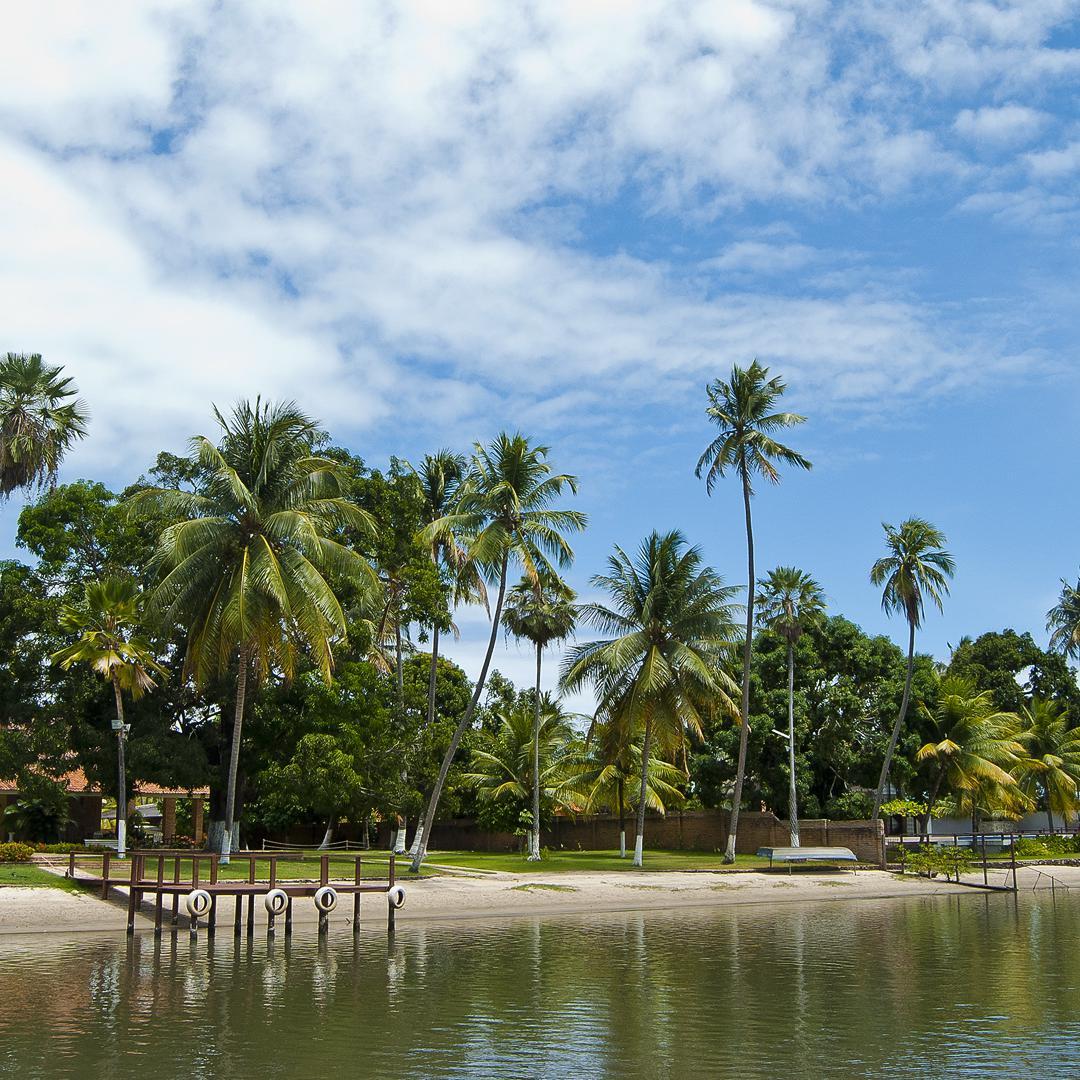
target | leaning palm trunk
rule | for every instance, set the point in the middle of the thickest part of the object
(121, 776)
(748, 644)
(328, 836)
(428, 819)
(793, 797)
(534, 833)
(879, 795)
(622, 816)
(639, 840)
(234, 754)
(432, 675)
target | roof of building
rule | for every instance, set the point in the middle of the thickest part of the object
(77, 783)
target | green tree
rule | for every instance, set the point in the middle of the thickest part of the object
(917, 568)
(505, 510)
(743, 408)
(671, 621)
(542, 612)
(40, 419)
(250, 567)
(1050, 764)
(107, 622)
(972, 751)
(1063, 621)
(789, 603)
(509, 766)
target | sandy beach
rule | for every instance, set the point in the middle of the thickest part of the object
(497, 895)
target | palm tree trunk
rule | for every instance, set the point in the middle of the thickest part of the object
(432, 673)
(933, 799)
(621, 793)
(534, 836)
(748, 644)
(328, 836)
(398, 847)
(121, 773)
(459, 731)
(793, 798)
(639, 840)
(234, 752)
(879, 796)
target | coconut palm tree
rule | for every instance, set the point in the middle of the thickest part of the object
(521, 759)
(790, 602)
(917, 568)
(974, 751)
(251, 564)
(1050, 765)
(40, 418)
(504, 513)
(744, 409)
(542, 612)
(604, 774)
(107, 624)
(671, 621)
(1063, 621)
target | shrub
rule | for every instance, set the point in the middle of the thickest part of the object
(16, 853)
(851, 806)
(1041, 847)
(57, 849)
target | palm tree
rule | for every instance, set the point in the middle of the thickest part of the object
(542, 612)
(916, 567)
(1063, 621)
(1051, 761)
(790, 602)
(251, 566)
(975, 749)
(522, 758)
(743, 410)
(504, 509)
(40, 418)
(672, 621)
(605, 770)
(107, 623)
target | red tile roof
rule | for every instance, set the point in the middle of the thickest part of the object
(77, 784)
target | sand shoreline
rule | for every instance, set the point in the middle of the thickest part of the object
(504, 895)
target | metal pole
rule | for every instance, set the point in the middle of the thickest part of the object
(985, 880)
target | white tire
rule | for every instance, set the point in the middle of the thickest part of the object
(276, 901)
(198, 903)
(395, 896)
(326, 900)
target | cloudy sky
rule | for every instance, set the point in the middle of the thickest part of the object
(430, 221)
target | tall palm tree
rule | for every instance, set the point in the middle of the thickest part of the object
(917, 567)
(744, 409)
(505, 512)
(671, 621)
(542, 612)
(1063, 621)
(605, 770)
(520, 759)
(975, 748)
(107, 624)
(790, 602)
(40, 418)
(1050, 765)
(251, 567)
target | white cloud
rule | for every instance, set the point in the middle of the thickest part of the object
(1006, 124)
(1055, 164)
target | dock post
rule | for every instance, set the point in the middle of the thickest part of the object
(158, 898)
(391, 911)
(238, 918)
(288, 918)
(356, 900)
(133, 893)
(176, 895)
(106, 857)
(270, 917)
(251, 898)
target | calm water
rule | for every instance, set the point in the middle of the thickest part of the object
(967, 986)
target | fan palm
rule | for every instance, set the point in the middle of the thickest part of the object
(107, 624)
(605, 770)
(743, 408)
(790, 602)
(1050, 765)
(504, 512)
(40, 418)
(250, 568)
(1063, 621)
(974, 750)
(672, 621)
(917, 568)
(542, 612)
(517, 761)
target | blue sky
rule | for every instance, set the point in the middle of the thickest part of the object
(426, 222)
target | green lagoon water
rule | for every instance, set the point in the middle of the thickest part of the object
(967, 986)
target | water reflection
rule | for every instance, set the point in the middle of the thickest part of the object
(971, 985)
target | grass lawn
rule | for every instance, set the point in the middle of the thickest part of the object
(28, 875)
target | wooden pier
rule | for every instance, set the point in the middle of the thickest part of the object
(194, 877)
